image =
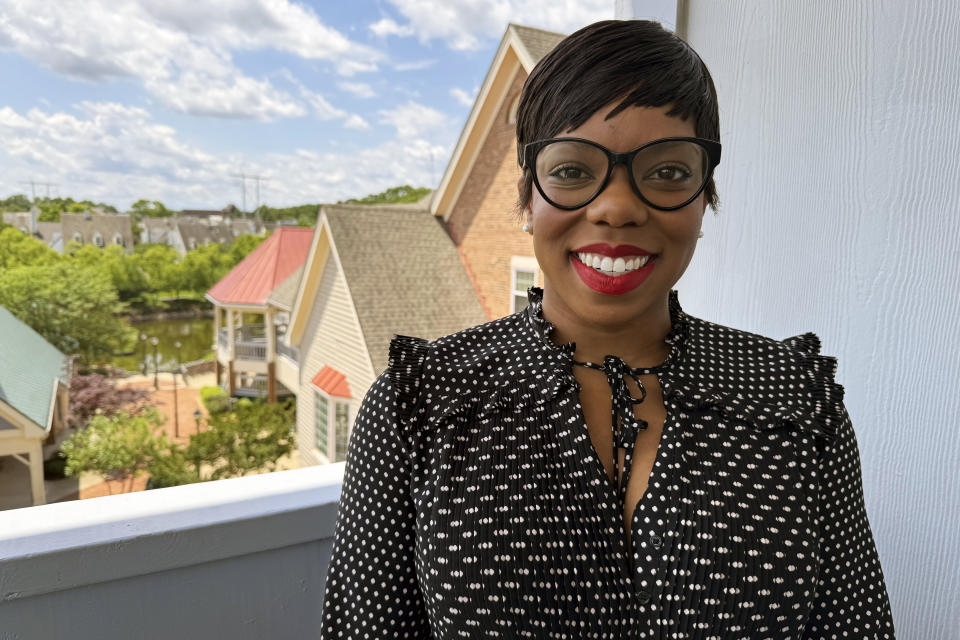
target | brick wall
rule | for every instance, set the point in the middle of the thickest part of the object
(483, 223)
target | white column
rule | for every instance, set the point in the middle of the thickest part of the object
(36, 473)
(231, 330)
(663, 11)
(270, 331)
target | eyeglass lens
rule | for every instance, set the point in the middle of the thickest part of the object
(667, 173)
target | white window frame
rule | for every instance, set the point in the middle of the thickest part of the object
(333, 402)
(522, 263)
(77, 237)
(118, 240)
(98, 240)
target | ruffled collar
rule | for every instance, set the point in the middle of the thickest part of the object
(543, 329)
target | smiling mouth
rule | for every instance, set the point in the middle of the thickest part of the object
(613, 267)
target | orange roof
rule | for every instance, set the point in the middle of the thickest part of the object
(254, 279)
(333, 382)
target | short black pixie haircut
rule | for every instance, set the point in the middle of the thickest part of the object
(636, 60)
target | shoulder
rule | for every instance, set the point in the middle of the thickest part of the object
(766, 380)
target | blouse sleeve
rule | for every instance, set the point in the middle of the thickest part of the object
(851, 597)
(372, 589)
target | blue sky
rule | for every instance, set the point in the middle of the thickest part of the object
(166, 99)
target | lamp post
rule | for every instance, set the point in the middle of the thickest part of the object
(143, 353)
(197, 414)
(156, 363)
(176, 409)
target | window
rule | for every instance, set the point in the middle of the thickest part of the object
(342, 424)
(322, 424)
(193, 243)
(98, 239)
(523, 275)
(118, 240)
(77, 237)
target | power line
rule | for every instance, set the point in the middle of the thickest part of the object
(35, 183)
(243, 182)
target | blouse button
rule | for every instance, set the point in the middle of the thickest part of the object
(643, 597)
(656, 541)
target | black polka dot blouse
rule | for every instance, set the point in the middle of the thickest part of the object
(474, 504)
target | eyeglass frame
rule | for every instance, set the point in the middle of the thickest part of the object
(531, 149)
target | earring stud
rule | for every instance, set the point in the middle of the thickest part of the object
(526, 228)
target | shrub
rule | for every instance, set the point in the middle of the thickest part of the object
(215, 399)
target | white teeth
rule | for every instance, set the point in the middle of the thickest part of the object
(610, 265)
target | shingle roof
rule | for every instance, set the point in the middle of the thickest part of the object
(404, 274)
(286, 292)
(254, 279)
(537, 41)
(333, 382)
(29, 368)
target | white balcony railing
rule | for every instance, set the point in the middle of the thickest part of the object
(239, 558)
(291, 352)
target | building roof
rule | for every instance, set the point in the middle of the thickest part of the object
(537, 42)
(253, 280)
(286, 292)
(332, 382)
(404, 274)
(30, 369)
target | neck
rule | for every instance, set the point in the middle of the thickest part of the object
(638, 341)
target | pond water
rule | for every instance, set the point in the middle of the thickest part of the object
(195, 336)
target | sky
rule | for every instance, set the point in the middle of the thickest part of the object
(169, 100)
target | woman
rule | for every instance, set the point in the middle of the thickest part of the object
(602, 465)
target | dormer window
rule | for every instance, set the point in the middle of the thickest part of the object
(98, 239)
(118, 240)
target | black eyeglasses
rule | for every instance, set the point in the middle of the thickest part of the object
(667, 174)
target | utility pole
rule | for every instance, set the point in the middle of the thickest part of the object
(34, 184)
(243, 181)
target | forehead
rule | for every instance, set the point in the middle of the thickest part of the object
(631, 127)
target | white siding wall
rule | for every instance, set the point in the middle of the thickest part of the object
(839, 122)
(332, 338)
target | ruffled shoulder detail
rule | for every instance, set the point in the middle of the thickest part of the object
(405, 368)
(767, 383)
(821, 410)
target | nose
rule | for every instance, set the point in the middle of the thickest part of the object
(618, 204)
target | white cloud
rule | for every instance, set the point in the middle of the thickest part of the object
(118, 154)
(359, 89)
(464, 98)
(415, 65)
(355, 122)
(467, 24)
(387, 27)
(180, 50)
(413, 120)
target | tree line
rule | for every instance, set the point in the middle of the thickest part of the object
(75, 300)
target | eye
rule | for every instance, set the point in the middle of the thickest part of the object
(570, 173)
(669, 173)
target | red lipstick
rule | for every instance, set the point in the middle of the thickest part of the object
(612, 285)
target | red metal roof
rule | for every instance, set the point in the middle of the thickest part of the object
(333, 382)
(254, 279)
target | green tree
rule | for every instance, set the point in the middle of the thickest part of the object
(241, 247)
(251, 438)
(72, 306)
(393, 195)
(157, 262)
(16, 202)
(116, 448)
(150, 209)
(18, 249)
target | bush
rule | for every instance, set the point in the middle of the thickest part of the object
(215, 399)
(53, 468)
(171, 470)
